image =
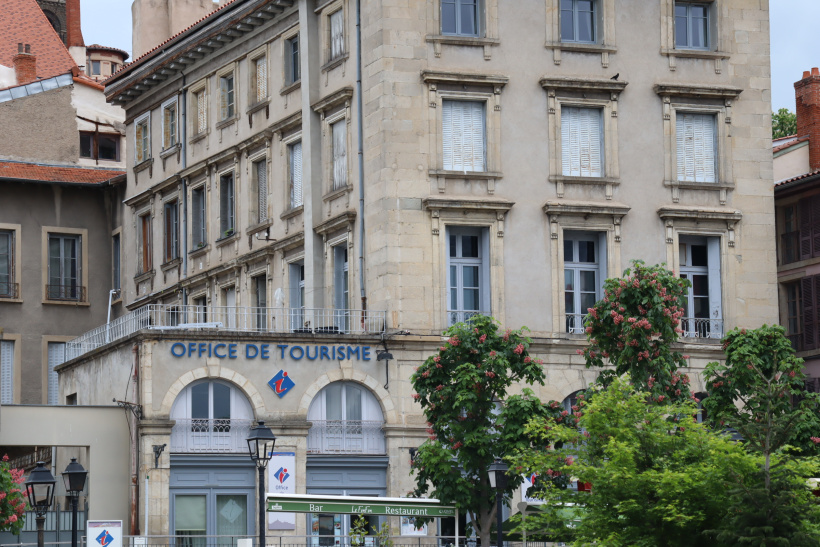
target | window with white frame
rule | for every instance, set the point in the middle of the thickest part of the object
(227, 219)
(578, 21)
(345, 418)
(292, 68)
(8, 287)
(199, 227)
(142, 139)
(700, 264)
(463, 134)
(337, 34)
(169, 125)
(467, 273)
(339, 153)
(692, 25)
(260, 183)
(462, 17)
(199, 104)
(340, 277)
(696, 136)
(171, 239)
(56, 356)
(295, 174)
(227, 105)
(7, 372)
(584, 274)
(296, 275)
(582, 144)
(228, 312)
(200, 304)
(64, 261)
(259, 78)
(260, 294)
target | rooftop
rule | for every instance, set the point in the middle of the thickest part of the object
(44, 173)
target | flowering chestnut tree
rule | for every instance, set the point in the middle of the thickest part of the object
(633, 327)
(463, 391)
(12, 498)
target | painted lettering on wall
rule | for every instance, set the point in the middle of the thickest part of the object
(262, 351)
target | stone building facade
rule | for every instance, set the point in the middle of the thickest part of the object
(498, 157)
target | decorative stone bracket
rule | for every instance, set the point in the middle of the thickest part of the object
(497, 208)
(727, 217)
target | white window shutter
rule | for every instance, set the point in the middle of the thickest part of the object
(6, 372)
(340, 154)
(56, 356)
(566, 140)
(602, 261)
(296, 174)
(477, 132)
(261, 78)
(262, 189)
(713, 265)
(337, 44)
(463, 136)
(201, 112)
(581, 142)
(696, 147)
(447, 134)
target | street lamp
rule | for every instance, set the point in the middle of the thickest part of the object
(260, 448)
(498, 480)
(40, 490)
(74, 479)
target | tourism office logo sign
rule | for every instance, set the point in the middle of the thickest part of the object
(281, 383)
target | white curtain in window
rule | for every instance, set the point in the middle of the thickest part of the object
(189, 514)
(6, 372)
(201, 112)
(581, 142)
(696, 147)
(56, 356)
(262, 188)
(295, 174)
(462, 134)
(261, 78)
(337, 37)
(340, 154)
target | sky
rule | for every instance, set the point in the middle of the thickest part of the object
(793, 35)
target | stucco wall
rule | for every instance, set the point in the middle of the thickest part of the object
(792, 163)
(40, 127)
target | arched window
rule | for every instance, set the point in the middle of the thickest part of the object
(346, 419)
(210, 416)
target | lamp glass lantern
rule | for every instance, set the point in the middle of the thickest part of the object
(260, 444)
(40, 488)
(74, 477)
(498, 474)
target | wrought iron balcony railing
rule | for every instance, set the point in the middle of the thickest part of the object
(9, 290)
(702, 328)
(199, 435)
(66, 292)
(462, 316)
(346, 437)
(575, 323)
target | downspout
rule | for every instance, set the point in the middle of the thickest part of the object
(360, 123)
(184, 230)
(135, 450)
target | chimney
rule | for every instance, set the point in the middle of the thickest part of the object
(25, 65)
(74, 33)
(807, 99)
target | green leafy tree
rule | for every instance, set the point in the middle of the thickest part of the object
(633, 327)
(784, 123)
(652, 483)
(760, 392)
(462, 390)
(12, 498)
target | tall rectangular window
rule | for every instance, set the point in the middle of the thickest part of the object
(296, 275)
(171, 210)
(260, 172)
(227, 223)
(64, 282)
(199, 237)
(467, 273)
(463, 129)
(200, 309)
(6, 372)
(99, 146)
(226, 97)
(292, 68)
(578, 21)
(295, 174)
(461, 17)
(341, 288)
(261, 300)
(700, 264)
(8, 288)
(584, 272)
(696, 147)
(146, 262)
(142, 140)
(691, 25)
(793, 323)
(339, 144)
(259, 79)
(582, 143)
(200, 111)
(56, 356)
(115, 262)
(337, 35)
(169, 126)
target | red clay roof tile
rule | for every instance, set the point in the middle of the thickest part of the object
(36, 172)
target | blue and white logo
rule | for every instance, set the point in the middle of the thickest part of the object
(104, 538)
(281, 384)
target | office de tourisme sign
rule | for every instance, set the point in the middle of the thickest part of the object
(359, 505)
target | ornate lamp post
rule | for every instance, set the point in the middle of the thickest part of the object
(40, 490)
(498, 481)
(74, 477)
(260, 449)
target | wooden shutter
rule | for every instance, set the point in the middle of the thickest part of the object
(262, 189)
(581, 142)
(474, 127)
(339, 130)
(805, 228)
(139, 153)
(337, 40)
(447, 134)
(166, 127)
(807, 304)
(296, 174)
(7, 372)
(56, 356)
(146, 242)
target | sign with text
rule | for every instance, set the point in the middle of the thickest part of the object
(401, 507)
(282, 480)
(297, 352)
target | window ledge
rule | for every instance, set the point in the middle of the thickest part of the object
(145, 276)
(583, 84)
(199, 251)
(171, 264)
(226, 123)
(585, 180)
(257, 106)
(698, 185)
(143, 165)
(168, 152)
(338, 192)
(256, 228)
(581, 47)
(699, 213)
(11, 300)
(198, 137)
(333, 63)
(695, 53)
(454, 40)
(234, 235)
(290, 213)
(481, 175)
(290, 87)
(66, 303)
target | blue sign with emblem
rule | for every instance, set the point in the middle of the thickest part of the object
(281, 384)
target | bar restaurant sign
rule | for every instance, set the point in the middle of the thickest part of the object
(359, 505)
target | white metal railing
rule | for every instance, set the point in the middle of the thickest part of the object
(346, 437)
(701, 328)
(199, 435)
(462, 316)
(575, 323)
(231, 318)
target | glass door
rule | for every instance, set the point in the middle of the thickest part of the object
(190, 520)
(231, 518)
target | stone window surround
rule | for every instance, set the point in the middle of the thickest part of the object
(172, 197)
(228, 70)
(324, 12)
(17, 257)
(286, 36)
(467, 212)
(233, 170)
(61, 230)
(204, 184)
(719, 34)
(287, 261)
(144, 118)
(489, 27)
(701, 100)
(605, 31)
(253, 198)
(564, 215)
(172, 101)
(145, 210)
(253, 102)
(45, 339)
(483, 87)
(332, 109)
(17, 366)
(572, 92)
(288, 131)
(193, 114)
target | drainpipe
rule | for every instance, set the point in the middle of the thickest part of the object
(135, 451)
(360, 123)
(184, 230)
